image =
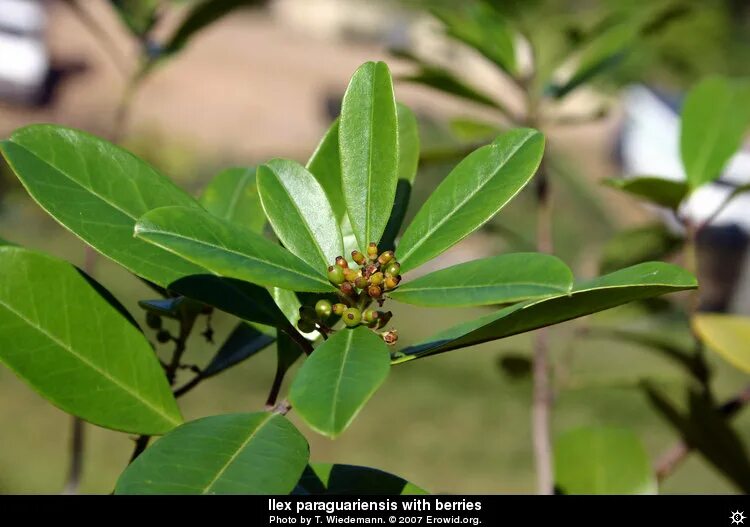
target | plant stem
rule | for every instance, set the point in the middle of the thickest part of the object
(673, 457)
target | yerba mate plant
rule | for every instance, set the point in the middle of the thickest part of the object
(320, 289)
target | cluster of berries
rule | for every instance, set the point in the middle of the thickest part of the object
(377, 274)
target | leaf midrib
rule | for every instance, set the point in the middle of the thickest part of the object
(236, 453)
(470, 196)
(229, 215)
(124, 387)
(340, 376)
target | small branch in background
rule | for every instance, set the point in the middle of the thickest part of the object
(75, 470)
(140, 445)
(275, 388)
(673, 457)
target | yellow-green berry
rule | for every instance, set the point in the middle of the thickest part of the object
(372, 251)
(352, 317)
(350, 275)
(361, 282)
(376, 278)
(370, 315)
(323, 308)
(335, 274)
(390, 282)
(386, 257)
(338, 309)
(392, 269)
(358, 257)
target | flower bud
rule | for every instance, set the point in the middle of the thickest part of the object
(392, 269)
(374, 291)
(335, 274)
(338, 309)
(341, 262)
(323, 308)
(359, 257)
(376, 278)
(386, 257)
(352, 317)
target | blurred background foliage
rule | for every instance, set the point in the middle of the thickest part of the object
(263, 83)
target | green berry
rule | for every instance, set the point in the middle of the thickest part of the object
(163, 336)
(341, 262)
(153, 320)
(359, 257)
(323, 308)
(352, 317)
(386, 257)
(372, 251)
(376, 278)
(338, 309)
(335, 274)
(370, 315)
(392, 269)
(305, 325)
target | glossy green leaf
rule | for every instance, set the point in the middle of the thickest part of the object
(299, 212)
(705, 428)
(232, 195)
(715, 118)
(727, 335)
(368, 143)
(73, 347)
(253, 453)
(442, 80)
(658, 191)
(236, 297)
(338, 379)
(98, 191)
(325, 165)
(634, 283)
(483, 29)
(602, 461)
(227, 250)
(408, 162)
(329, 478)
(289, 304)
(641, 244)
(495, 280)
(202, 15)
(480, 185)
(244, 342)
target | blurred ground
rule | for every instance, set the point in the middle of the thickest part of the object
(249, 89)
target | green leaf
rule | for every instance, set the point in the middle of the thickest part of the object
(471, 195)
(325, 165)
(495, 280)
(408, 163)
(244, 342)
(236, 297)
(727, 335)
(232, 195)
(227, 250)
(634, 283)
(706, 430)
(445, 81)
(73, 347)
(715, 117)
(138, 15)
(329, 478)
(641, 244)
(602, 461)
(253, 453)
(658, 191)
(299, 212)
(98, 191)
(202, 15)
(368, 142)
(483, 29)
(338, 379)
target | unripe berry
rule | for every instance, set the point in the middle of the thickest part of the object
(358, 257)
(390, 282)
(370, 315)
(374, 291)
(361, 282)
(163, 336)
(352, 317)
(338, 309)
(323, 308)
(341, 262)
(153, 320)
(372, 251)
(350, 275)
(335, 274)
(392, 269)
(376, 278)
(306, 325)
(347, 288)
(386, 257)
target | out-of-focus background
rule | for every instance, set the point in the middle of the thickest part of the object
(266, 82)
